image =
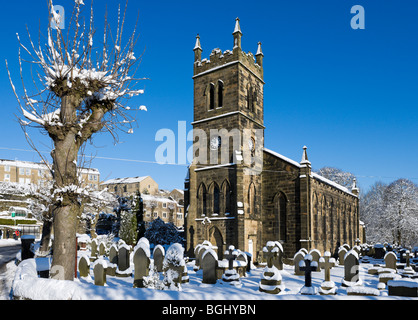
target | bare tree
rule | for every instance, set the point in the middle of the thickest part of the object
(79, 89)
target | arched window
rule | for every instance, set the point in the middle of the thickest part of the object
(226, 195)
(220, 94)
(211, 96)
(201, 199)
(280, 214)
(216, 199)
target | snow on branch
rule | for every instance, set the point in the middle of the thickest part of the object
(100, 76)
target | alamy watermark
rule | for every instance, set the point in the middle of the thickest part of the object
(213, 147)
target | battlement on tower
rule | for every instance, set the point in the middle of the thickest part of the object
(218, 59)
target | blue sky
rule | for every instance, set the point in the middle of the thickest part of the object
(349, 95)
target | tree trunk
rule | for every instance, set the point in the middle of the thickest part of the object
(67, 206)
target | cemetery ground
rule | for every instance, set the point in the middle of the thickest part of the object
(121, 288)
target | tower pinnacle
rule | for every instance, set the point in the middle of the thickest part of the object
(197, 49)
(237, 34)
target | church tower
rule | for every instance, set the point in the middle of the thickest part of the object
(224, 180)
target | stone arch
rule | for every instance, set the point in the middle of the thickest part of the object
(226, 201)
(216, 238)
(280, 223)
(201, 199)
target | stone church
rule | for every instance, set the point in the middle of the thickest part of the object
(229, 200)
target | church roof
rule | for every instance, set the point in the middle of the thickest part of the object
(313, 174)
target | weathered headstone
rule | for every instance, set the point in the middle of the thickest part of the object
(113, 254)
(84, 266)
(271, 281)
(316, 255)
(342, 251)
(390, 260)
(102, 249)
(307, 266)
(327, 263)
(296, 259)
(230, 275)
(123, 269)
(197, 259)
(158, 255)
(209, 264)
(141, 264)
(351, 269)
(173, 267)
(99, 271)
(94, 251)
(408, 271)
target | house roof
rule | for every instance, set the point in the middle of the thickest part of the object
(124, 180)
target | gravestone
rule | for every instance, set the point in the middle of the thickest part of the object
(408, 271)
(230, 275)
(197, 260)
(271, 281)
(102, 249)
(278, 260)
(316, 255)
(351, 269)
(244, 258)
(173, 267)
(113, 261)
(327, 263)
(308, 266)
(158, 255)
(113, 254)
(141, 264)
(99, 271)
(390, 260)
(123, 269)
(404, 288)
(296, 259)
(209, 264)
(84, 266)
(341, 254)
(94, 251)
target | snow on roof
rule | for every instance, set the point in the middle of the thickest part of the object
(278, 155)
(313, 174)
(124, 180)
(149, 197)
(39, 166)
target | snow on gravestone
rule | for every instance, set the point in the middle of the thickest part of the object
(142, 262)
(123, 269)
(173, 266)
(99, 271)
(351, 269)
(327, 263)
(316, 255)
(84, 266)
(94, 252)
(271, 281)
(307, 265)
(231, 275)
(296, 259)
(390, 260)
(158, 255)
(341, 254)
(209, 264)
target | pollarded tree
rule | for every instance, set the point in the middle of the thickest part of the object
(79, 87)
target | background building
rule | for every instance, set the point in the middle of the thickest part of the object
(126, 187)
(26, 172)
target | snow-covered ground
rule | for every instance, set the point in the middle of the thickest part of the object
(122, 288)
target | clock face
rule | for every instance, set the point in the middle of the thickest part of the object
(215, 143)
